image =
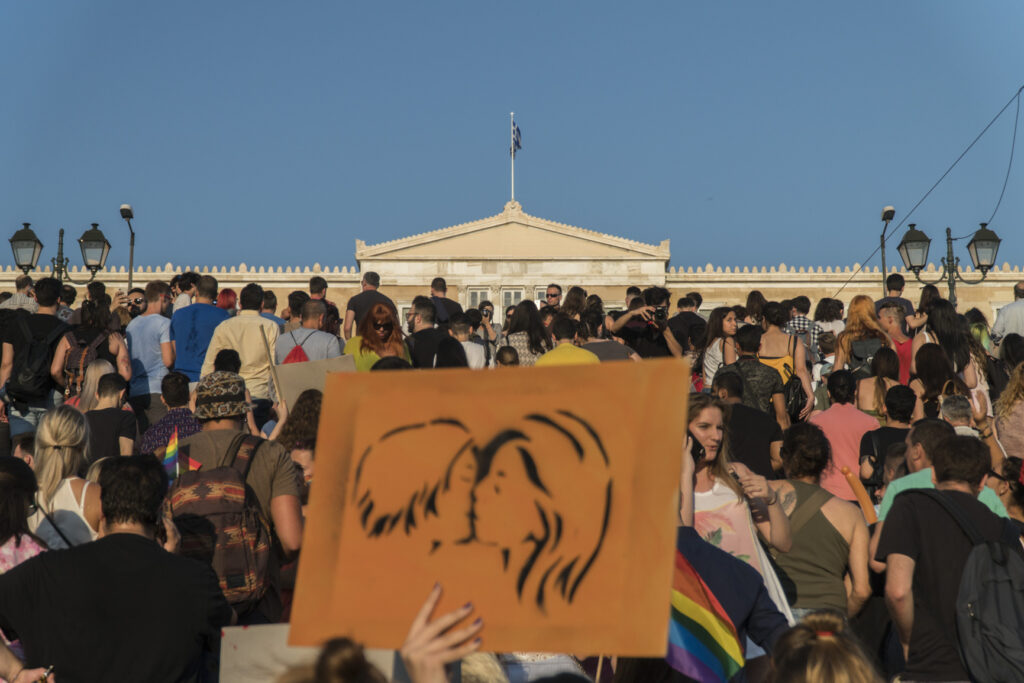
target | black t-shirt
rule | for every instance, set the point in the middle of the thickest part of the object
(40, 325)
(921, 529)
(608, 350)
(760, 382)
(106, 426)
(689, 329)
(645, 338)
(362, 302)
(885, 436)
(117, 609)
(450, 307)
(751, 433)
(423, 346)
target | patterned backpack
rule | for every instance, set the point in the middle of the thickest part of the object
(77, 361)
(221, 523)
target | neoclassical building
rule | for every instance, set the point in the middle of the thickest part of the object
(512, 255)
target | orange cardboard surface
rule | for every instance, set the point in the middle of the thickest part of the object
(547, 497)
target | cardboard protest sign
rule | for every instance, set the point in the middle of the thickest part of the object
(297, 377)
(547, 497)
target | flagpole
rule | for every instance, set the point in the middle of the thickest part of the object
(512, 149)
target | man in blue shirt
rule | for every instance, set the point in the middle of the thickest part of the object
(151, 353)
(269, 309)
(192, 328)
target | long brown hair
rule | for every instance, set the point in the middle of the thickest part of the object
(720, 466)
(370, 340)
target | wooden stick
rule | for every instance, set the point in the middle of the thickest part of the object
(273, 370)
(600, 663)
(862, 495)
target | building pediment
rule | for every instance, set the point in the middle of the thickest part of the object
(512, 235)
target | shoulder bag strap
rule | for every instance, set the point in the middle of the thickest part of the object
(956, 513)
(803, 514)
(876, 446)
(245, 450)
(56, 528)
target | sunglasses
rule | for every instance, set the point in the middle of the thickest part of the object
(383, 326)
(553, 296)
(139, 301)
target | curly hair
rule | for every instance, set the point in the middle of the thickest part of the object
(299, 430)
(806, 451)
(1012, 394)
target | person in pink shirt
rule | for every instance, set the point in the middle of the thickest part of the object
(844, 425)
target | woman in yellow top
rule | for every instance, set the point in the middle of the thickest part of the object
(378, 336)
(785, 352)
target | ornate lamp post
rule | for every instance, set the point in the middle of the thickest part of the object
(983, 247)
(27, 247)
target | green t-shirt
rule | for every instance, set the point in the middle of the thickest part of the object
(922, 479)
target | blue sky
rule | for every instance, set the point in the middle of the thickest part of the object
(278, 133)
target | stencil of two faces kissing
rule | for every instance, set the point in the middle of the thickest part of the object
(539, 492)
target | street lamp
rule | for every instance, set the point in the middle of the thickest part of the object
(27, 247)
(887, 215)
(983, 247)
(127, 214)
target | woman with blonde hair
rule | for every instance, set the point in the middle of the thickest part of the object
(379, 335)
(856, 345)
(86, 398)
(67, 506)
(820, 649)
(1009, 411)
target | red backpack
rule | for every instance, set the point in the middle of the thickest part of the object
(297, 354)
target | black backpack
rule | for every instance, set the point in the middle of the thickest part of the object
(990, 601)
(30, 379)
(862, 352)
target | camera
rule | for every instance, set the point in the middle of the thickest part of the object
(660, 314)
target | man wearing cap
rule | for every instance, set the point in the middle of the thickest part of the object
(221, 410)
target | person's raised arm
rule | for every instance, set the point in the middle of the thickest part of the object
(286, 513)
(432, 643)
(673, 344)
(644, 312)
(350, 319)
(686, 484)
(899, 595)
(60, 355)
(860, 578)
(766, 507)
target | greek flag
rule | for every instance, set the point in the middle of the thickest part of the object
(517, 139)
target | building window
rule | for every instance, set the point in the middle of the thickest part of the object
(511, 297)
(540, 294)
(477, 295)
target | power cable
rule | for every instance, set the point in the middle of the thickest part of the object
(1016, 96)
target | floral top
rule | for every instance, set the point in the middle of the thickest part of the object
(12, 553)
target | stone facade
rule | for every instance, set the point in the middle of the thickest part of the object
(513, 255)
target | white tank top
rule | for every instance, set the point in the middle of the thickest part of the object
(68, 514)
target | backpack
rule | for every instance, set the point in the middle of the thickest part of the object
(77, 360)
(990, 602)
(30, 380)
(297, 354)
(862, 352)
(221, 523)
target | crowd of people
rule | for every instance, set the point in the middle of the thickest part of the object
(807, 501)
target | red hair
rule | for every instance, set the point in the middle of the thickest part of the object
(370, 340)
(227, 299)
(861, 323)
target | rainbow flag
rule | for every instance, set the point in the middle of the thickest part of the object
(702, 639)
(171, 455)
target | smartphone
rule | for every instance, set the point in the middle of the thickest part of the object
(696, 449)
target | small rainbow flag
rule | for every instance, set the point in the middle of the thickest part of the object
(703, 643)
(171, 455)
